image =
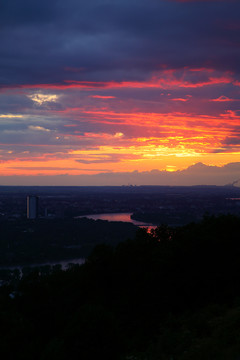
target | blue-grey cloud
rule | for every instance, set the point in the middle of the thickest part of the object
(44, 42)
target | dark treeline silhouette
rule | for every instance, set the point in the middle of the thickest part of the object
(34, 241)
(167, 294)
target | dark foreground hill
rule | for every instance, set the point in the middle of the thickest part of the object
(168, 294)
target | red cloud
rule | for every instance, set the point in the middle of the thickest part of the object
(165, 79)
(182, 99)
(102, 97)
(223, 99)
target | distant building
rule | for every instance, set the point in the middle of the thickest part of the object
(32, 207)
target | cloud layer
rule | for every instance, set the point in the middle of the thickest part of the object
(117, 86)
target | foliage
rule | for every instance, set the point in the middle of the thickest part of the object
(167, 294)
(24, 242)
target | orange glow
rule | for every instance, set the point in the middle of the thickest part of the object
(179, 141)
(90, 134)
(142, 162)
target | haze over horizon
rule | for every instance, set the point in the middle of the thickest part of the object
(120, 92)
(197, 174)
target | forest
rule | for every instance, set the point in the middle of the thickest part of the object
(25, 242)
(172, 293)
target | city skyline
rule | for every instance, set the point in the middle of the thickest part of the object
(99, 92)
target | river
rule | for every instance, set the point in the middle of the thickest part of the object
(125, 217)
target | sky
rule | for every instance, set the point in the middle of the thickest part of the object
(119, 92)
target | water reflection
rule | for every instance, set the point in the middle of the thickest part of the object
(125, 217)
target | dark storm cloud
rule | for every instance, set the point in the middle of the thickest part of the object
(51, 41)
(15, 12)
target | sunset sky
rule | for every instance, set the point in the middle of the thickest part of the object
(105, 89)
